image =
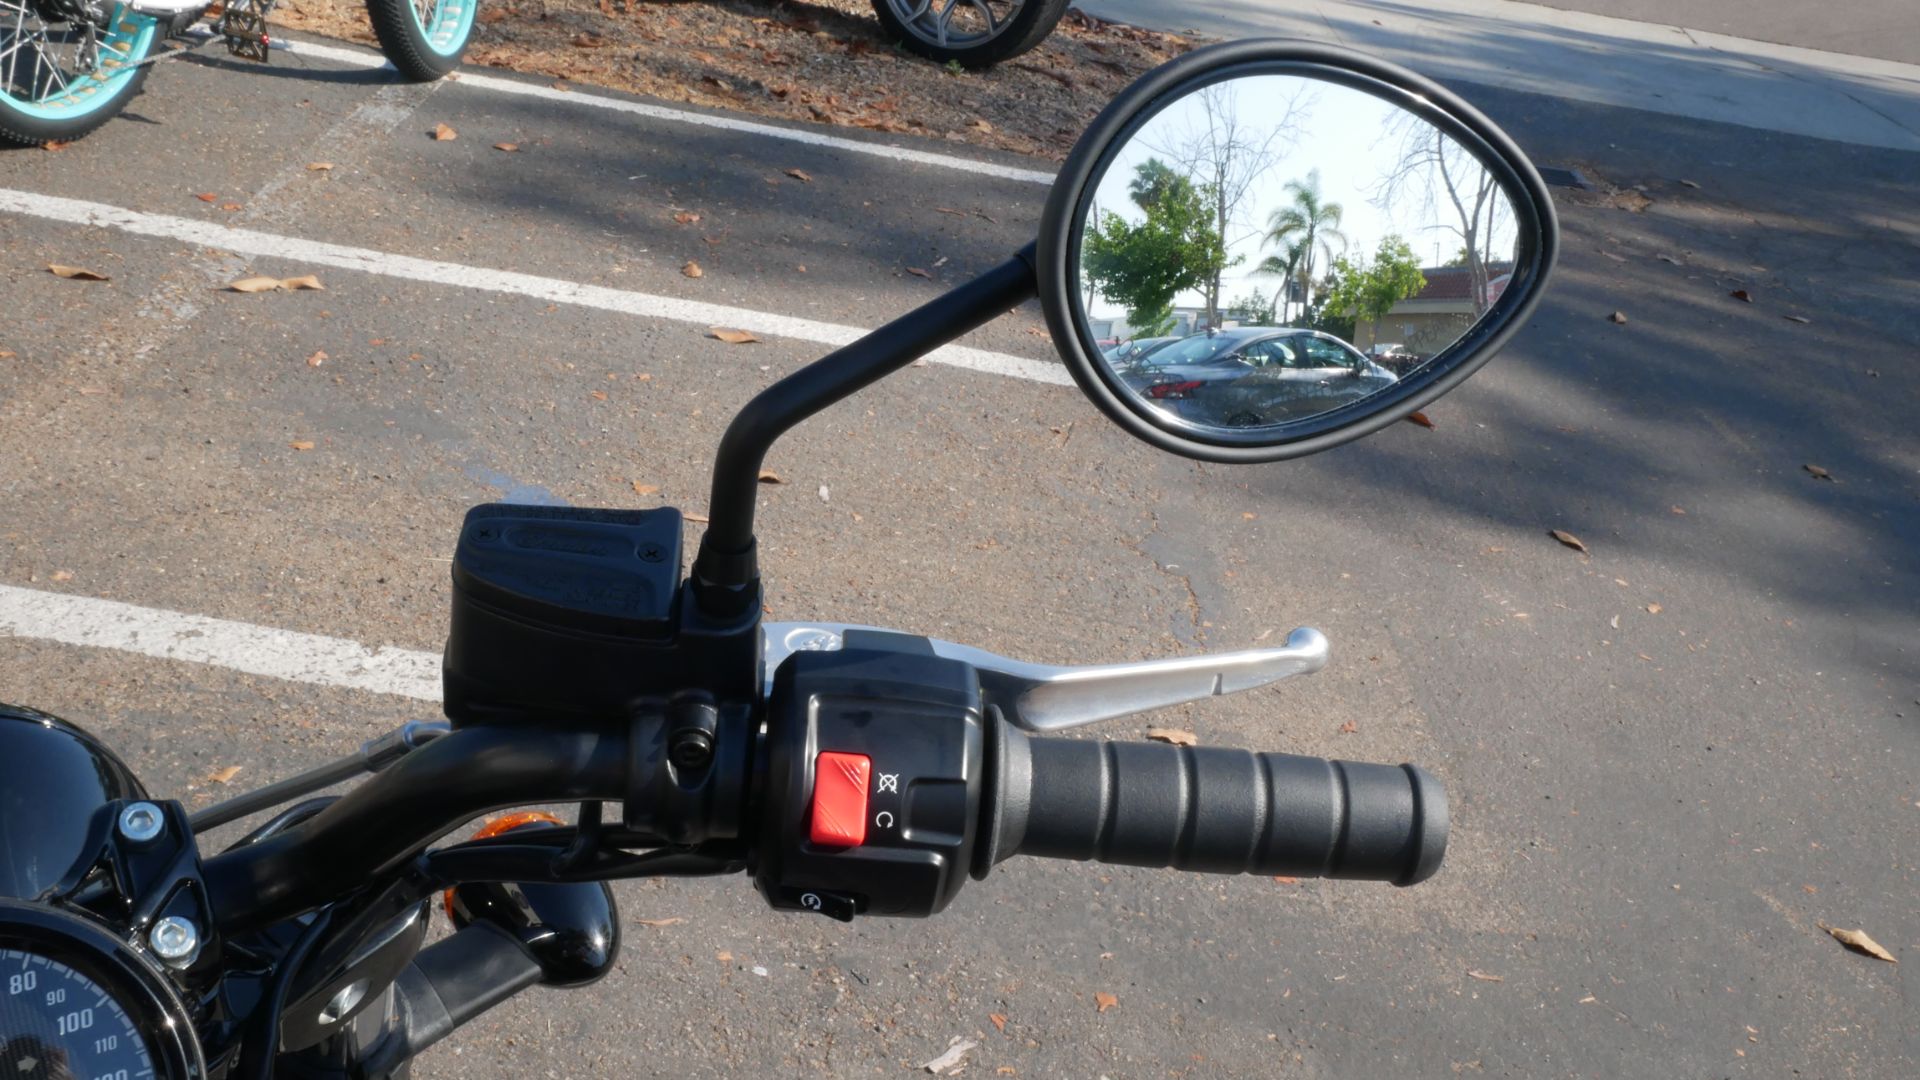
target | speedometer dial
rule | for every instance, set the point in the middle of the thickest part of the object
(58, 1024)
(77, 1003)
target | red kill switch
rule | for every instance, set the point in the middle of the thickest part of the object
(840, 799)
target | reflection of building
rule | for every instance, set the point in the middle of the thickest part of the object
(1434, 317)
(1186, 320)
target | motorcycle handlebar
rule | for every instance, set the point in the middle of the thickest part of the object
(1217, 810)
(1190, 808)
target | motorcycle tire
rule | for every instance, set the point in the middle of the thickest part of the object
(34, 113)
(423, 39)
(1028, 27)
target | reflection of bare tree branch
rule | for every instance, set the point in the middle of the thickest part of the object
(1431, 166)
(1225, 155)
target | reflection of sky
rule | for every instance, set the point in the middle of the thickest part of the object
(1353, 139)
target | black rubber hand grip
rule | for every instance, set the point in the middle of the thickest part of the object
(1215, 809)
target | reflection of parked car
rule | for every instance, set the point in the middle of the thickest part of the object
(1129, 353)
(1255, 375)
(1395, 357)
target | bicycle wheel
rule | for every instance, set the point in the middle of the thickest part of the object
(972, 33)
(61, 78)
(423, 38)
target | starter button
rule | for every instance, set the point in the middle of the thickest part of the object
(840, 799)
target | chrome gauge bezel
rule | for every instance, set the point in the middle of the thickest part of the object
(135, 984)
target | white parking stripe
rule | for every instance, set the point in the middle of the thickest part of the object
(364, 260)
(471, 77)
(237, 646)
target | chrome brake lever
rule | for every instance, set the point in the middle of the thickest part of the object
(1050, 697)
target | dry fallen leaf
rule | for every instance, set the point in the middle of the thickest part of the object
(998, 1020)
(768, 476)
(1484, 977)
(254, 285)
(692, 269)
(63, 575)
(1742, 295)
(1654, 609)
(1859, 942)
(319, 357)
(7, 354)
(645, 489)
(686, 217)
(231, 207)
(1618, 318)
(443, 133)
(1349, 727)
(1421, 419)
(207, 197)
(731, 337)
(696, 518)
(221, 776)
(56, 144)
(304, 281)
(75, 273)
(1286, 879)
(1819, 473)
(981, 125)
(1570, 540)
(675, 921)
(598, 395)
(511, 148)
(1173, 735)
(1103, 1001)
(302, 444)
(800, 175)
(319, 166)
(917, 272)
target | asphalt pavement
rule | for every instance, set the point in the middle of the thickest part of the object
(1671, 758)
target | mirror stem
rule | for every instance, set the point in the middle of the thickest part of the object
(726, 576)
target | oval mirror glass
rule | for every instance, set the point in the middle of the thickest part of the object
(1261, 256)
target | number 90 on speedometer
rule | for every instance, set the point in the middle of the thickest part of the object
(58, 1024)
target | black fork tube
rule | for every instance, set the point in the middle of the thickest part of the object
(725, 575)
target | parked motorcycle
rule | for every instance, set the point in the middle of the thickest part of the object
(68, 66)
(851, 771)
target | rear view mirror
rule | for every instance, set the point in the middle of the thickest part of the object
(1267, 248)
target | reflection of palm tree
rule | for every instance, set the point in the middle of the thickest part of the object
(1309, 220)
(1152, 180)
(1286, 266)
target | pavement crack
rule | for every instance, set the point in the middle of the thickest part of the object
(1197, 635)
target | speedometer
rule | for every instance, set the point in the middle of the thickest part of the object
(76, 1003)
(58, 1024)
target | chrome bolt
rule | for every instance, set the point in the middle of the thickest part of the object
(174, 940)
(141, 822)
